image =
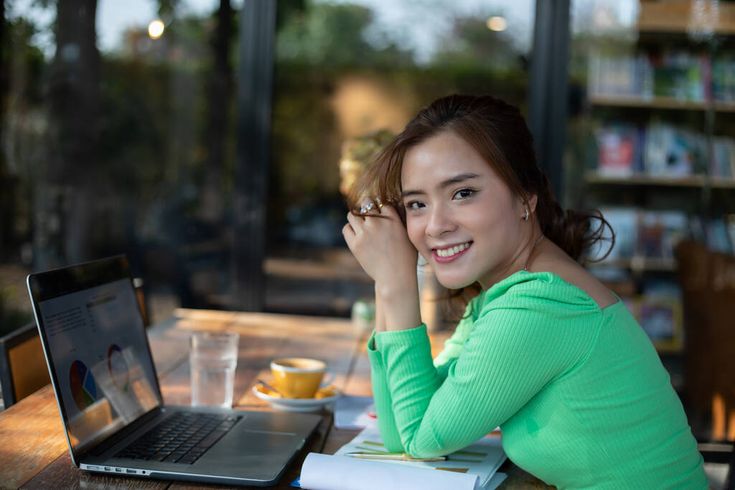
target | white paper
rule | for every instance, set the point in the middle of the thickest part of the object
(324, 472)
(353, 412)
(482, 458)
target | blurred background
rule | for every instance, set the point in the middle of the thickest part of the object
(211, 141)
(124, 127)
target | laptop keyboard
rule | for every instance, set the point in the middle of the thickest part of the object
(181, 438)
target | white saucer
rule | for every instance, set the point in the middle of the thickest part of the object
(295, 404)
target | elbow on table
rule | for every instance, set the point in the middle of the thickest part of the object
(415, 450)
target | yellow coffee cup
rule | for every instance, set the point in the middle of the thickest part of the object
(297, 377)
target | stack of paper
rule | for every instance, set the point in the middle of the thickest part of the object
(471, 468)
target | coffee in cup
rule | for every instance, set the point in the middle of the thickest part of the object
(297, 377)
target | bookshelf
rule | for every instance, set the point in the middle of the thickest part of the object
(653, 145)
(639, 264)
(695, 181)
(675, 16)
(672, 103)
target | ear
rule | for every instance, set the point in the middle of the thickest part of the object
(532, 201)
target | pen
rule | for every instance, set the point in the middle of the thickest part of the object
(394, 457)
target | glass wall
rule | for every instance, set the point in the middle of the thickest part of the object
(348, 75)
(118, 137)
(118, 133)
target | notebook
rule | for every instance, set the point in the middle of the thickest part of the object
(110, 400)
(363, 463)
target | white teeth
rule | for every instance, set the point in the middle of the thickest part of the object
(448, 252)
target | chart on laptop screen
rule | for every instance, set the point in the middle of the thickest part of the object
(99, 352)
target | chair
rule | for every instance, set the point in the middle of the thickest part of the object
(23, 367)
(707, 280)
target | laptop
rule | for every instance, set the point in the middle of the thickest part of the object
(110, 400)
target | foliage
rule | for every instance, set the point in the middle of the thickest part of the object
(472, 43)
(328, 34)
(11, 318)
(153, 103)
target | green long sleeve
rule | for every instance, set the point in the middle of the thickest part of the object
(577, 389)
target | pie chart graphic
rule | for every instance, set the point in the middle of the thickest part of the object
(83, 387)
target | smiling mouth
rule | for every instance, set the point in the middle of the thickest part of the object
(450, 253)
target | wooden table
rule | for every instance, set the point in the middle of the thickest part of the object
(34, 452)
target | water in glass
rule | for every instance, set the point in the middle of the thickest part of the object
(213, 361)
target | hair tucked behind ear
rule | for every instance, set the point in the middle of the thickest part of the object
(573, 231)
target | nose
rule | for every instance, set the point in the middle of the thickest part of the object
(440, 222)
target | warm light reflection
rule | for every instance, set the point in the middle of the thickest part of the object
(497, 23)
(155, 29)
(364, 104)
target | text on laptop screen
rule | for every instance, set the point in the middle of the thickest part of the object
(99, 351)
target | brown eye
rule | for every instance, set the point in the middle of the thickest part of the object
(463, 194)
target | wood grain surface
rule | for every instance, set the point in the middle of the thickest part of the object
(34, 452)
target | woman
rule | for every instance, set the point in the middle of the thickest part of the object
(545, 351)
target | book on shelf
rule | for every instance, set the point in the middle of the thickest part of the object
(643, 235)
(640, 234)
(723, 158)
(670, 151)
(729, 220)
(717, 233)
(661, 150)
(624, 222)
(658, 310)
(659, 232)
(723, 78)
(619, 150)
(674, 74)
(472, 468)
(619, 76)
(680, 75)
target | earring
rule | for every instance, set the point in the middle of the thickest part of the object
(525, 214)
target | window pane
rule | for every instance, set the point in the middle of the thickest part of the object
(118, 137)
(348, 76)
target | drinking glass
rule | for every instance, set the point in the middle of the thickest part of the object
(213, 359)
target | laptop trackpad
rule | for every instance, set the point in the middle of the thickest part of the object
(252, 452)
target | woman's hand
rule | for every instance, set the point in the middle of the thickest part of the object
(380, 244)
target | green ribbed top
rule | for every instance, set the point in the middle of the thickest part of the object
(578, 391)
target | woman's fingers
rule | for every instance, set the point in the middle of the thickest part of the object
(360, 224)
(356, 222)
(390, 211)
(347, 231)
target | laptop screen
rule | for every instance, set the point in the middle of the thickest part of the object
(97, 348)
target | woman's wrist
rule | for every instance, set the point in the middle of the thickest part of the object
(379, 316)
(394, 291)
(399, 305)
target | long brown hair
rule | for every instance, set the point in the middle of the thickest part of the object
(498, 132)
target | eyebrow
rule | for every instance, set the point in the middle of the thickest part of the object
(445, 183)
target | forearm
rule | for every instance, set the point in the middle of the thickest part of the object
(379, 316)
(397, 305)
(383, 402)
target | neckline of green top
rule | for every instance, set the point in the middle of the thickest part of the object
(556, 277)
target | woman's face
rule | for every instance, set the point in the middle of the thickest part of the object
(460, 215)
